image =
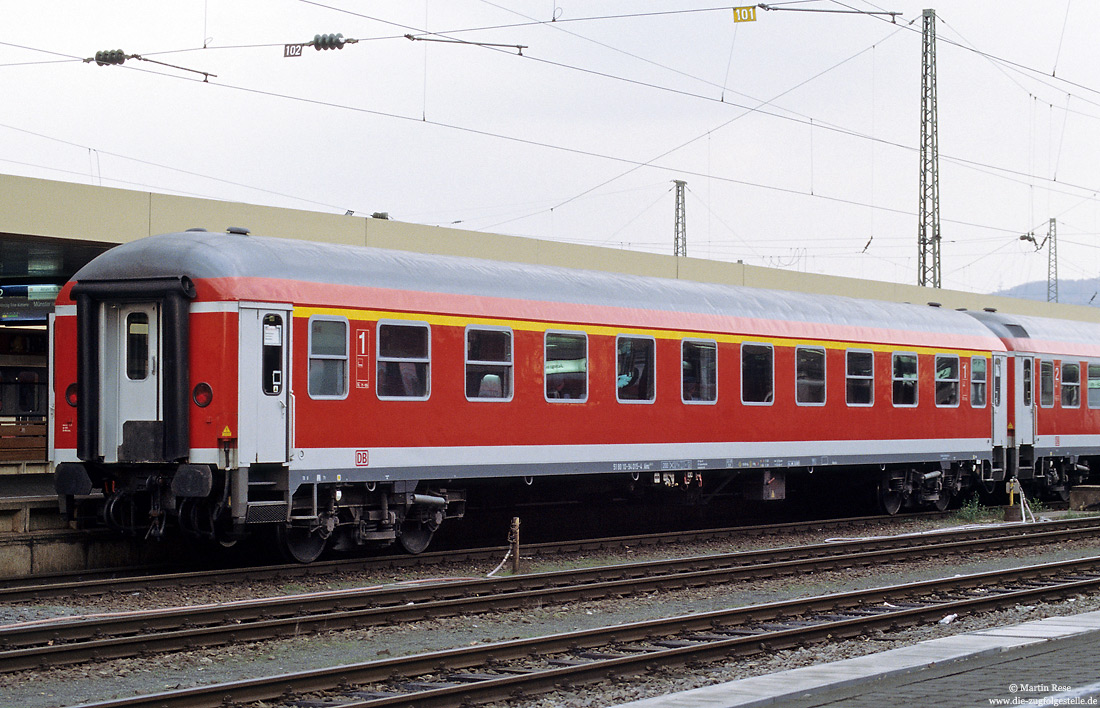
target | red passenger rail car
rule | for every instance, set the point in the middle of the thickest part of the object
(1048, 432)
(346, 396)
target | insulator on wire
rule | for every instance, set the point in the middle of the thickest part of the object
(111, 56)
(328, 41)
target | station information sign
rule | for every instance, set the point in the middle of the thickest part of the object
(27, 303)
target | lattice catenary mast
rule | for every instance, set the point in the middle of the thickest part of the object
(928, 227)
(1052, 262)
(679, 238)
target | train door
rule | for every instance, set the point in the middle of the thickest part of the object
(1025, 401)
(130, 394)
(1000, 401)
(263, 383)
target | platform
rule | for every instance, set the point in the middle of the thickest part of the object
(36, 539)
(1046, 662)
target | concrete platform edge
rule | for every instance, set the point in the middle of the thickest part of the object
(797, 685)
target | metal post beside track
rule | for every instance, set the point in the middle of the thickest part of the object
(513, 538)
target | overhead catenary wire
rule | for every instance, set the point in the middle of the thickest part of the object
(570, 150)
(871, 203)
(151, 163)
(636, 164)
(1033, 72)
(1061, 38)
(754, 109)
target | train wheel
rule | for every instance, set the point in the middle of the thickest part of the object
(890, 500)
(943, 501)
(298, 545)
(415, 536)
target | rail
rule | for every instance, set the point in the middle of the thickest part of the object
(500, 670)
(93, 582)
(74, 640)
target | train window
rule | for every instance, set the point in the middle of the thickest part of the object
(273, 354)
(328, 357)
(137, 346)
(978, 378)
(404, 360)
(22, 391)
(947, 380)
(757, 374)
(1071, 385)
(636, 376)
(1046, 384)
(489, 363)
(997, 387)
(905, 379)
(859, 378)
(698, 371)
(1094, 385)
(566, 366)
(1028, 387)
(809, 374)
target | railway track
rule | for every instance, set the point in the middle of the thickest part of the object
(508, 669)
(68, 641)
(95, 582)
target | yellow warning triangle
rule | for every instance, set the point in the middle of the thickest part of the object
(227, 433)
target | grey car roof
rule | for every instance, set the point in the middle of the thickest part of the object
(1042, 335)
(200, 255)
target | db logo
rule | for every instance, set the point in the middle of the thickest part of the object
(362, 458)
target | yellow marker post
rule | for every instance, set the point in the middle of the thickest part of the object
(1013, 512)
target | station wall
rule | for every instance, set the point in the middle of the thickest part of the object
(65, 210)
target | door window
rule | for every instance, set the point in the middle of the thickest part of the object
(997, 382)
(137, 346)
(1027, 383)
(273, 354)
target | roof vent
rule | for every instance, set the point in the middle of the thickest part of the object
(989, 309)
(934, 304)
(384, 215)
(197, 228)
(238, 230)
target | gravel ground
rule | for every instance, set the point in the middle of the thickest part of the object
(118, 678)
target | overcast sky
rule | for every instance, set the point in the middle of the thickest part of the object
(797, 134)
